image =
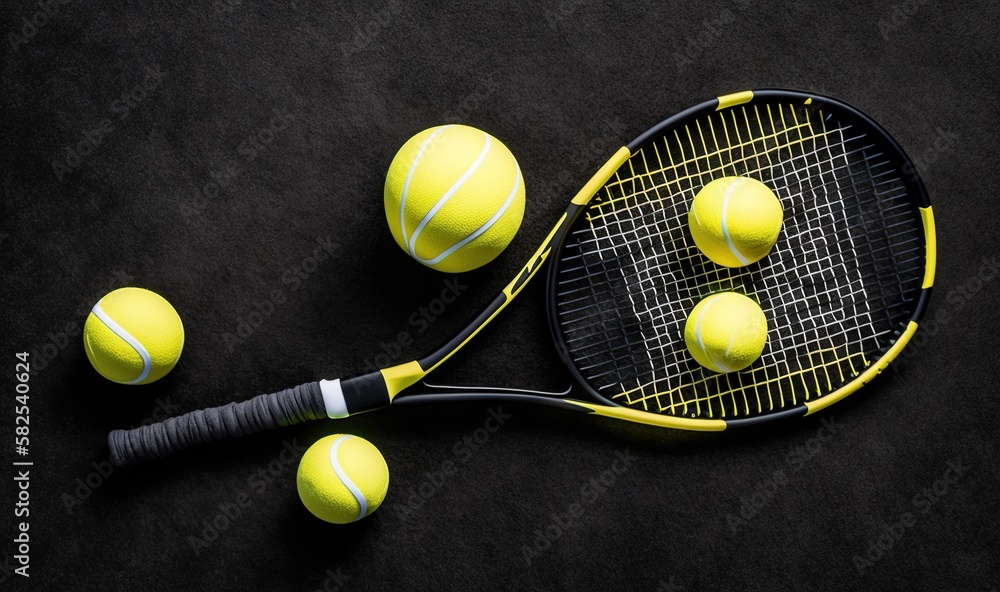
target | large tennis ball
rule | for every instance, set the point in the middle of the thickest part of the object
(342, 478)
(726, 332)
(133, 336)
(454, 197)
(735, 220)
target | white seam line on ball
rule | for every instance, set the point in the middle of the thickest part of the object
(118, 330)
(482, 229)
(345, 479)
(701, 344)
(409, 177)
(448, 195)
(725, 229)
(729, 346)
(694, 211)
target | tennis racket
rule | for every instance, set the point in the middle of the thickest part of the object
(843, 288)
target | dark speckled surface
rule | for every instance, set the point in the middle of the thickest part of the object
(207, 150)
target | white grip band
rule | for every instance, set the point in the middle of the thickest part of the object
(333, 398)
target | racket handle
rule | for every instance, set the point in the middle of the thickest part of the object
(287, 407)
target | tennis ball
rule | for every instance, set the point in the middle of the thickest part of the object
(133, 336)
(735, 220)
(454, 197)
(726, 332)
(342, 478)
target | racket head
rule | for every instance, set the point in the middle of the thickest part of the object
(842, 290)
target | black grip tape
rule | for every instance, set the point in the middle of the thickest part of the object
(287, 407)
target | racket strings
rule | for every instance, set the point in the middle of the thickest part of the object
(694, 257)
(835, 288)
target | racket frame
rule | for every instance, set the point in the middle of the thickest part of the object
(920, 201)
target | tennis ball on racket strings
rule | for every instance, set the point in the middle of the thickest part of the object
(735, 221)
(726, 332)
(454, 197)
(133, 336)
(342, 478)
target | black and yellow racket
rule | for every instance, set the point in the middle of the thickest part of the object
(842, 289)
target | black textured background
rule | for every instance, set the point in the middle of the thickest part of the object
(175, 197)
